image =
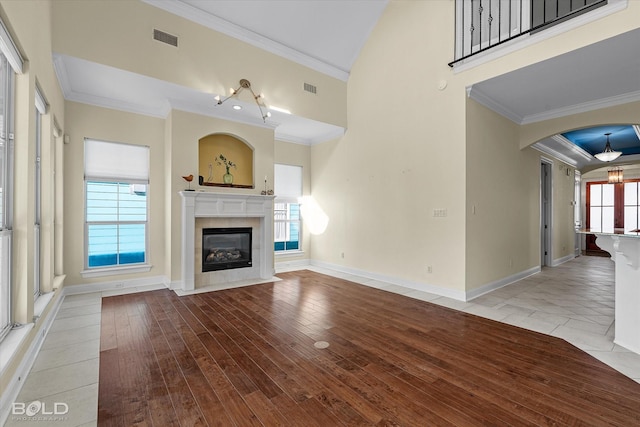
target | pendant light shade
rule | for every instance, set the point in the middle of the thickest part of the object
(608, 154)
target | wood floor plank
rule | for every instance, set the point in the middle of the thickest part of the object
(246, 357)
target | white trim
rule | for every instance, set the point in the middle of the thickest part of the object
(112, 271)
(549, 232)
(492, 286)
(9, 49)
(293, 265)
(573, 147)
(120, 286)
(425, 287)
(550, 151)
(218, 24)
(479, 96)
(559, 261)
(41, 101)
(582, 108)
(201, 204)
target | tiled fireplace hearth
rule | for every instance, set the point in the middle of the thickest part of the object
(206, 210)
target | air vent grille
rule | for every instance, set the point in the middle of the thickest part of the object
(167, 38)
(310, 88)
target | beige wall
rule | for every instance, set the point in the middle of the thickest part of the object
(503, 199)
(402, 157)
(119, 34)
(84, 121)
(29, 24)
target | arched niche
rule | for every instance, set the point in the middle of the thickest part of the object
(212, 170)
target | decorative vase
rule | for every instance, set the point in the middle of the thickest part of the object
(227, 178)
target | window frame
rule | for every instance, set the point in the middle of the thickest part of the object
(287, 224)
(7, 80)
(114, 173)
(87, 224)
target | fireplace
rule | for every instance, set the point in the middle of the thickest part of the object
(226, 248)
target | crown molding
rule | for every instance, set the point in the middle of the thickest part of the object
(573, 147)
(479, 96)
(550, 151)
(333, 134)
(215, 23)
(582, 108)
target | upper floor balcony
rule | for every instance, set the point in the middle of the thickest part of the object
(483, 25)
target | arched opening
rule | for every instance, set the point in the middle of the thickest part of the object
(225, 160)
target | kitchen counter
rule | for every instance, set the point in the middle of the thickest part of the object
(624, 247)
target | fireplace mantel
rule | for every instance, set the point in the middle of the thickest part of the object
(200, 204)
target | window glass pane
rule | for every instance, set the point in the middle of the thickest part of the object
(607, 194)
(102, 245)
(116, 223)
(595, 194)
(286, 226)
(631, 218)
(607, 218)
(132, 205)
(102, 201)
(631, 193)
(131, 243)
(595, 217)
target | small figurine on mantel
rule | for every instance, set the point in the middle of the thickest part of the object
(266, 192)
(188, 178)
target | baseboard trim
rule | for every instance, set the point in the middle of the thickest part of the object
(425, 287)
(484, 289)
(116, 287)
(559, 261)
(294, 265)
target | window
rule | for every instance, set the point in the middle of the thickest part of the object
(6, 196)
(287, 226)
(631, 205)
(612, 206)
(41, 109)
(116, 184)
(286, 209)
(601, 206)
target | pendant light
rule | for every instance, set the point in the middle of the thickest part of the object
(608, 154)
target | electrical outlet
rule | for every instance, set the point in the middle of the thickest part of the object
(439, 213)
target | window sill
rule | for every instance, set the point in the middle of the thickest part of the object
(11, 343)
(112, 271)
(285, 254)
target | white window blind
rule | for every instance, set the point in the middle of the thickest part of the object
(116, 161)
(288, 182)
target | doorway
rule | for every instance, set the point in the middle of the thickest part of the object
(545, 212)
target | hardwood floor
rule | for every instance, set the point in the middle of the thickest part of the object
(246, 356)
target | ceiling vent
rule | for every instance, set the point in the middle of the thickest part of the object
(309, 88)
(167, 38)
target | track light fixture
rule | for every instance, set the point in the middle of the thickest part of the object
(246, 84)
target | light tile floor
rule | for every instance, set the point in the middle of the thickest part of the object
(574, 301)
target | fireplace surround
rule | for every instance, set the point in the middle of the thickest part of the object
(225, 210)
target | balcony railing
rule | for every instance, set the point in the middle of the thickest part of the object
(484, 24)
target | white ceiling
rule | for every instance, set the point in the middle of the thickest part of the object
(327, 35)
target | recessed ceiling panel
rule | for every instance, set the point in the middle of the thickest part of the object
(623, 138)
